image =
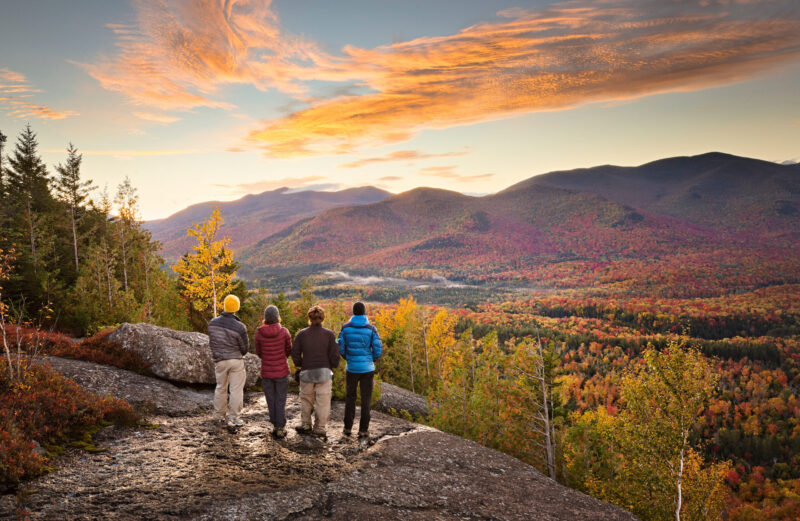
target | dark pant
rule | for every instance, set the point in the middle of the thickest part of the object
(275, 390)
(353, 380)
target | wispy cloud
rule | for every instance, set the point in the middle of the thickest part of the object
(390, 178)
(157, 118)
(271, 184)
(574, 53)
(13, 77)
(400, 155)
(131, 153)
(15, 94)
(448, 172)
(177, 55)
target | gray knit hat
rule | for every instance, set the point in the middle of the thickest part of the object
(272, 315)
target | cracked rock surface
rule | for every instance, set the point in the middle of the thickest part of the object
(191, 468)
(146, 395)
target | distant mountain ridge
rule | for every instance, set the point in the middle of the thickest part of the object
(256, 216)
(732, 218)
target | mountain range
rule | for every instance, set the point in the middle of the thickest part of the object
(723, 220)
(256, 216)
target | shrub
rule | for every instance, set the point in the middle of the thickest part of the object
(97, 348)
(46, 408)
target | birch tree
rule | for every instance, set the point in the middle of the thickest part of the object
(643, 459)
(207, 273)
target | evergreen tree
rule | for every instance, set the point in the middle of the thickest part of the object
(29, 212)
(29, 184)
(2, 167)
(73, 192)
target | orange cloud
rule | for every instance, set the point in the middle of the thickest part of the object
(14, 94)
(177, 55)
(399, 155)
(448, 172)
(574, 53)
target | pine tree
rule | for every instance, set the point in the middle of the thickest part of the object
(207, 274)
(73, 192)
(2, 168)
(29, 187)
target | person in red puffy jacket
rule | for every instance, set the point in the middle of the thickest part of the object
(273, 345)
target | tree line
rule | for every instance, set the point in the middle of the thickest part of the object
(82, 259)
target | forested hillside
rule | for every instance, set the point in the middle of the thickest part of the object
(696, 226)
(255, 216)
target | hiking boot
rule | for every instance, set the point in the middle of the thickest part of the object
(363, 434)
(279, 433)
(321, 435)
(235, 422)
(303, 429)
(347, 432)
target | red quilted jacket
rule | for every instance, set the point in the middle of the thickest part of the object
(273, 345)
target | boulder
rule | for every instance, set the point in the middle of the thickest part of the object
(397, 399)
(178, 356)
(146, 395)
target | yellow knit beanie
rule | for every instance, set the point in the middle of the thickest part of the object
(231, 304)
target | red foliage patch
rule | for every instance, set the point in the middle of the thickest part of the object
(97, 348)
(44, 407)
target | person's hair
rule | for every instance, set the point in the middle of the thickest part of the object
(316, 315)
(359, 308)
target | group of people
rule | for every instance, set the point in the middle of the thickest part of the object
(315, 351)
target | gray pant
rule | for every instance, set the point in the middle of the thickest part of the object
(275, 390)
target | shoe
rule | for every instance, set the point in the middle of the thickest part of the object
(303, 429)
(363, 434)
(347, 432)
(321, 435)
(235, 422)
(279, 433)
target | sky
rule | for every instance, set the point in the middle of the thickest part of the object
(199, 100)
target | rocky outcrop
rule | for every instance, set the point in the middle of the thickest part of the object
(178, 356)
(189, 468)
(396, 399)
(146, 395)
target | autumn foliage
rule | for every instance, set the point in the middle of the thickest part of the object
(46, 409)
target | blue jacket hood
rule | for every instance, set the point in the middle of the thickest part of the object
(358, 320)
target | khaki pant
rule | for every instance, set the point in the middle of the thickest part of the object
(229, 372)
(315, 397)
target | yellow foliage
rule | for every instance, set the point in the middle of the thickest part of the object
(207, 273)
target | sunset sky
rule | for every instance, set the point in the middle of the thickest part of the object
(214, 99)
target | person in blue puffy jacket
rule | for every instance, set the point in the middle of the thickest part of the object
(360, 345)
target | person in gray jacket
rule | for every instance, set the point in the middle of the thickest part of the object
(227, 337)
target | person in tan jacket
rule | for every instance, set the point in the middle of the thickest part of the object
(315, 352)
